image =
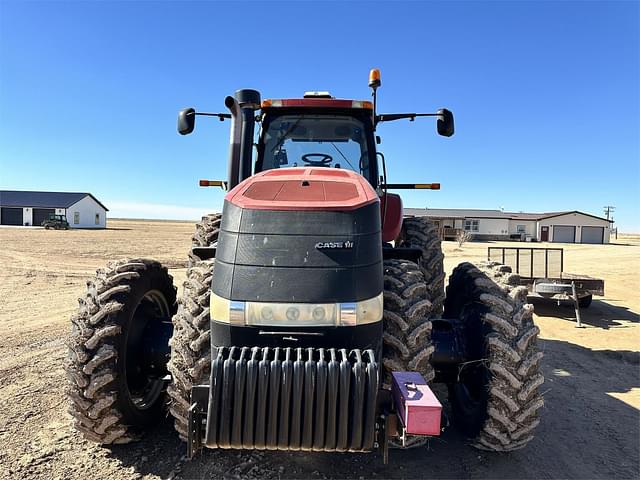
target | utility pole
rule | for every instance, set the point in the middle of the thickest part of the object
(616, 229)
(608, 211)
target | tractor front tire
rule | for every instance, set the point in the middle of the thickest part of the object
(495, 400)
(206, 234)
(422, 233)
(116, 387)
(190, 361)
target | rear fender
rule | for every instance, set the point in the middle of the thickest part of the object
(391, 214)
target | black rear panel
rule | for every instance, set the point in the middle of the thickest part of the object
(301, 222)
(289, 256)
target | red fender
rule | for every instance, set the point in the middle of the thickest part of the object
(391, 214)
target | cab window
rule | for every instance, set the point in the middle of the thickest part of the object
(330, 141)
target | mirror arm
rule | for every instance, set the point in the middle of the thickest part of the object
(411, 186)
(390, 117)
(221, 116)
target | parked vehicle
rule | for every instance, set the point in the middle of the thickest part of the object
(57, 222)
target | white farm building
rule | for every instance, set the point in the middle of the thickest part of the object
(82, 210)
(564, 227)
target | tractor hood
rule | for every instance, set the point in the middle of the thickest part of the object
(304, 188)
(300, 235)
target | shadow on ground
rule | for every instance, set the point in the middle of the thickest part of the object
(585, 432)
(600, 314)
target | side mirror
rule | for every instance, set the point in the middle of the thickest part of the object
(445, 122)
(187, 121)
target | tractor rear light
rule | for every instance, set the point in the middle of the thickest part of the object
(427, 186)
(362, 104)
(299, 314)
(213, 183)
(227, 311)
(359, 313)
(271, 103)
(296, 314)
(317, 101)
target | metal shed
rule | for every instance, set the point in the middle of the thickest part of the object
(31, 208)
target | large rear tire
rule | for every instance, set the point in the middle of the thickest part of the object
(206, 234)
(116, 385)
(190, 361)
(495, 401)
(406, 341)
(422, 233)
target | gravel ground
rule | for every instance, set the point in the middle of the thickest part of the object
(590, 424)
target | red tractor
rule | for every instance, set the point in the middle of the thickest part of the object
(314, 315)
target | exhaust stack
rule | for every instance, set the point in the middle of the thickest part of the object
(242, 107)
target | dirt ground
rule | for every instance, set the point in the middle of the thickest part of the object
(590, 425)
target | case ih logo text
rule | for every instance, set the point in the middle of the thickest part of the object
(333, 245)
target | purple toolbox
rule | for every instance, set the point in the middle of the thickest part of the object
(418, 408)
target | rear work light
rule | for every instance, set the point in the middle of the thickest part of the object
(317, 102)
(348, 314)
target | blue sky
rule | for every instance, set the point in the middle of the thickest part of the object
(545, 96)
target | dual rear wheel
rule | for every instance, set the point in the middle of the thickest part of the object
(130, 336)
(116, 364)
(494, 398)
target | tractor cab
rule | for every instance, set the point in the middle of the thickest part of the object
(318, 131)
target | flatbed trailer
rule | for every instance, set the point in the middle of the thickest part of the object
(541, 270)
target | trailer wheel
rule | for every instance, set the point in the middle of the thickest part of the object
(206, 234)
(118, 351)
(495, 401)
(190, 361)
(585, 302)
(420, 232)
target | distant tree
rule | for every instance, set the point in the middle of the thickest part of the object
(463, 236)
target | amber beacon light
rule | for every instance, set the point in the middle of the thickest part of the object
(374, 78)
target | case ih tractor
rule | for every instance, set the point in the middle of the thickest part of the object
(314, 316)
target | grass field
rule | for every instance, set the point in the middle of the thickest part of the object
(590, 426)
